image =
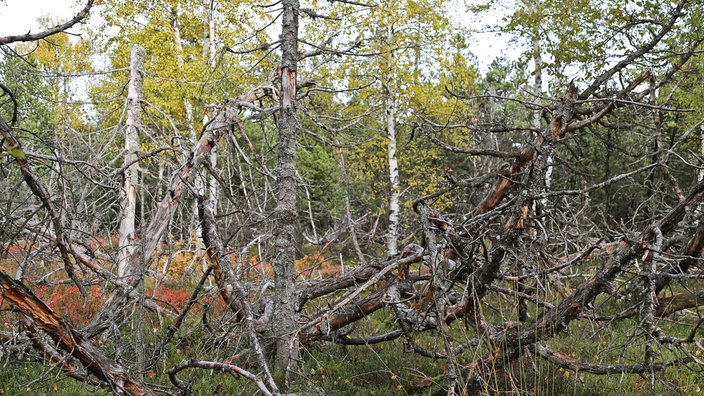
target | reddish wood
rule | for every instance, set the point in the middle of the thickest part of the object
(504, 184)
(69, 339)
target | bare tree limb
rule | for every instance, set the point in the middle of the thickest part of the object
(70, 340)
(51, 31)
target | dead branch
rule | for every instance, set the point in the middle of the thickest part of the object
(362, 274)
(186, 388)
(677, 303)
(567, 362)
(598, 83)
(51, 31)
(37, 187)
(69, 339)
(239, 303)
(218, 127)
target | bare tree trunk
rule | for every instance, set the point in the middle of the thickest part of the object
(131, 172)
(176, 26)
(209, 32)
(537, 112)
(390, 118)
(209, 51)
(155, 230)
(126, 240)
(285, 315)
(701, 150)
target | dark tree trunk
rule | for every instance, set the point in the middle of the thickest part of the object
(285, 321)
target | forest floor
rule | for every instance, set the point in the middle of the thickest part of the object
(388, 368)
(383, 369)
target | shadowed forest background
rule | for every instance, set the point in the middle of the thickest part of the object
(331, 198)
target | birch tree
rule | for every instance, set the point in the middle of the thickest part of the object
(393, 67)
(390, 98)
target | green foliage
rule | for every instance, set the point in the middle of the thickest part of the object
(423, 56)
(63, 59)
(367, 370)
(319, 167)
(22, 77)
(185, 75)
(16, 375)
(15, 152)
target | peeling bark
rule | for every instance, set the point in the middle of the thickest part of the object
(220, 126)
(130, 168)
(69, 339)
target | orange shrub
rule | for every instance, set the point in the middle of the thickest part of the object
(178, 297)
(315, 264)
(68, 302)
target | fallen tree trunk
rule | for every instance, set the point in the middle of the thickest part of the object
(70, 340)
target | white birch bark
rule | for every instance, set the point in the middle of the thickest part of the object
(390, 119)
(537, 93)
(209, 36)
(209, 51)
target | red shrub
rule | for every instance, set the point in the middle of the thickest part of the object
(68, 302)
(176, 297)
